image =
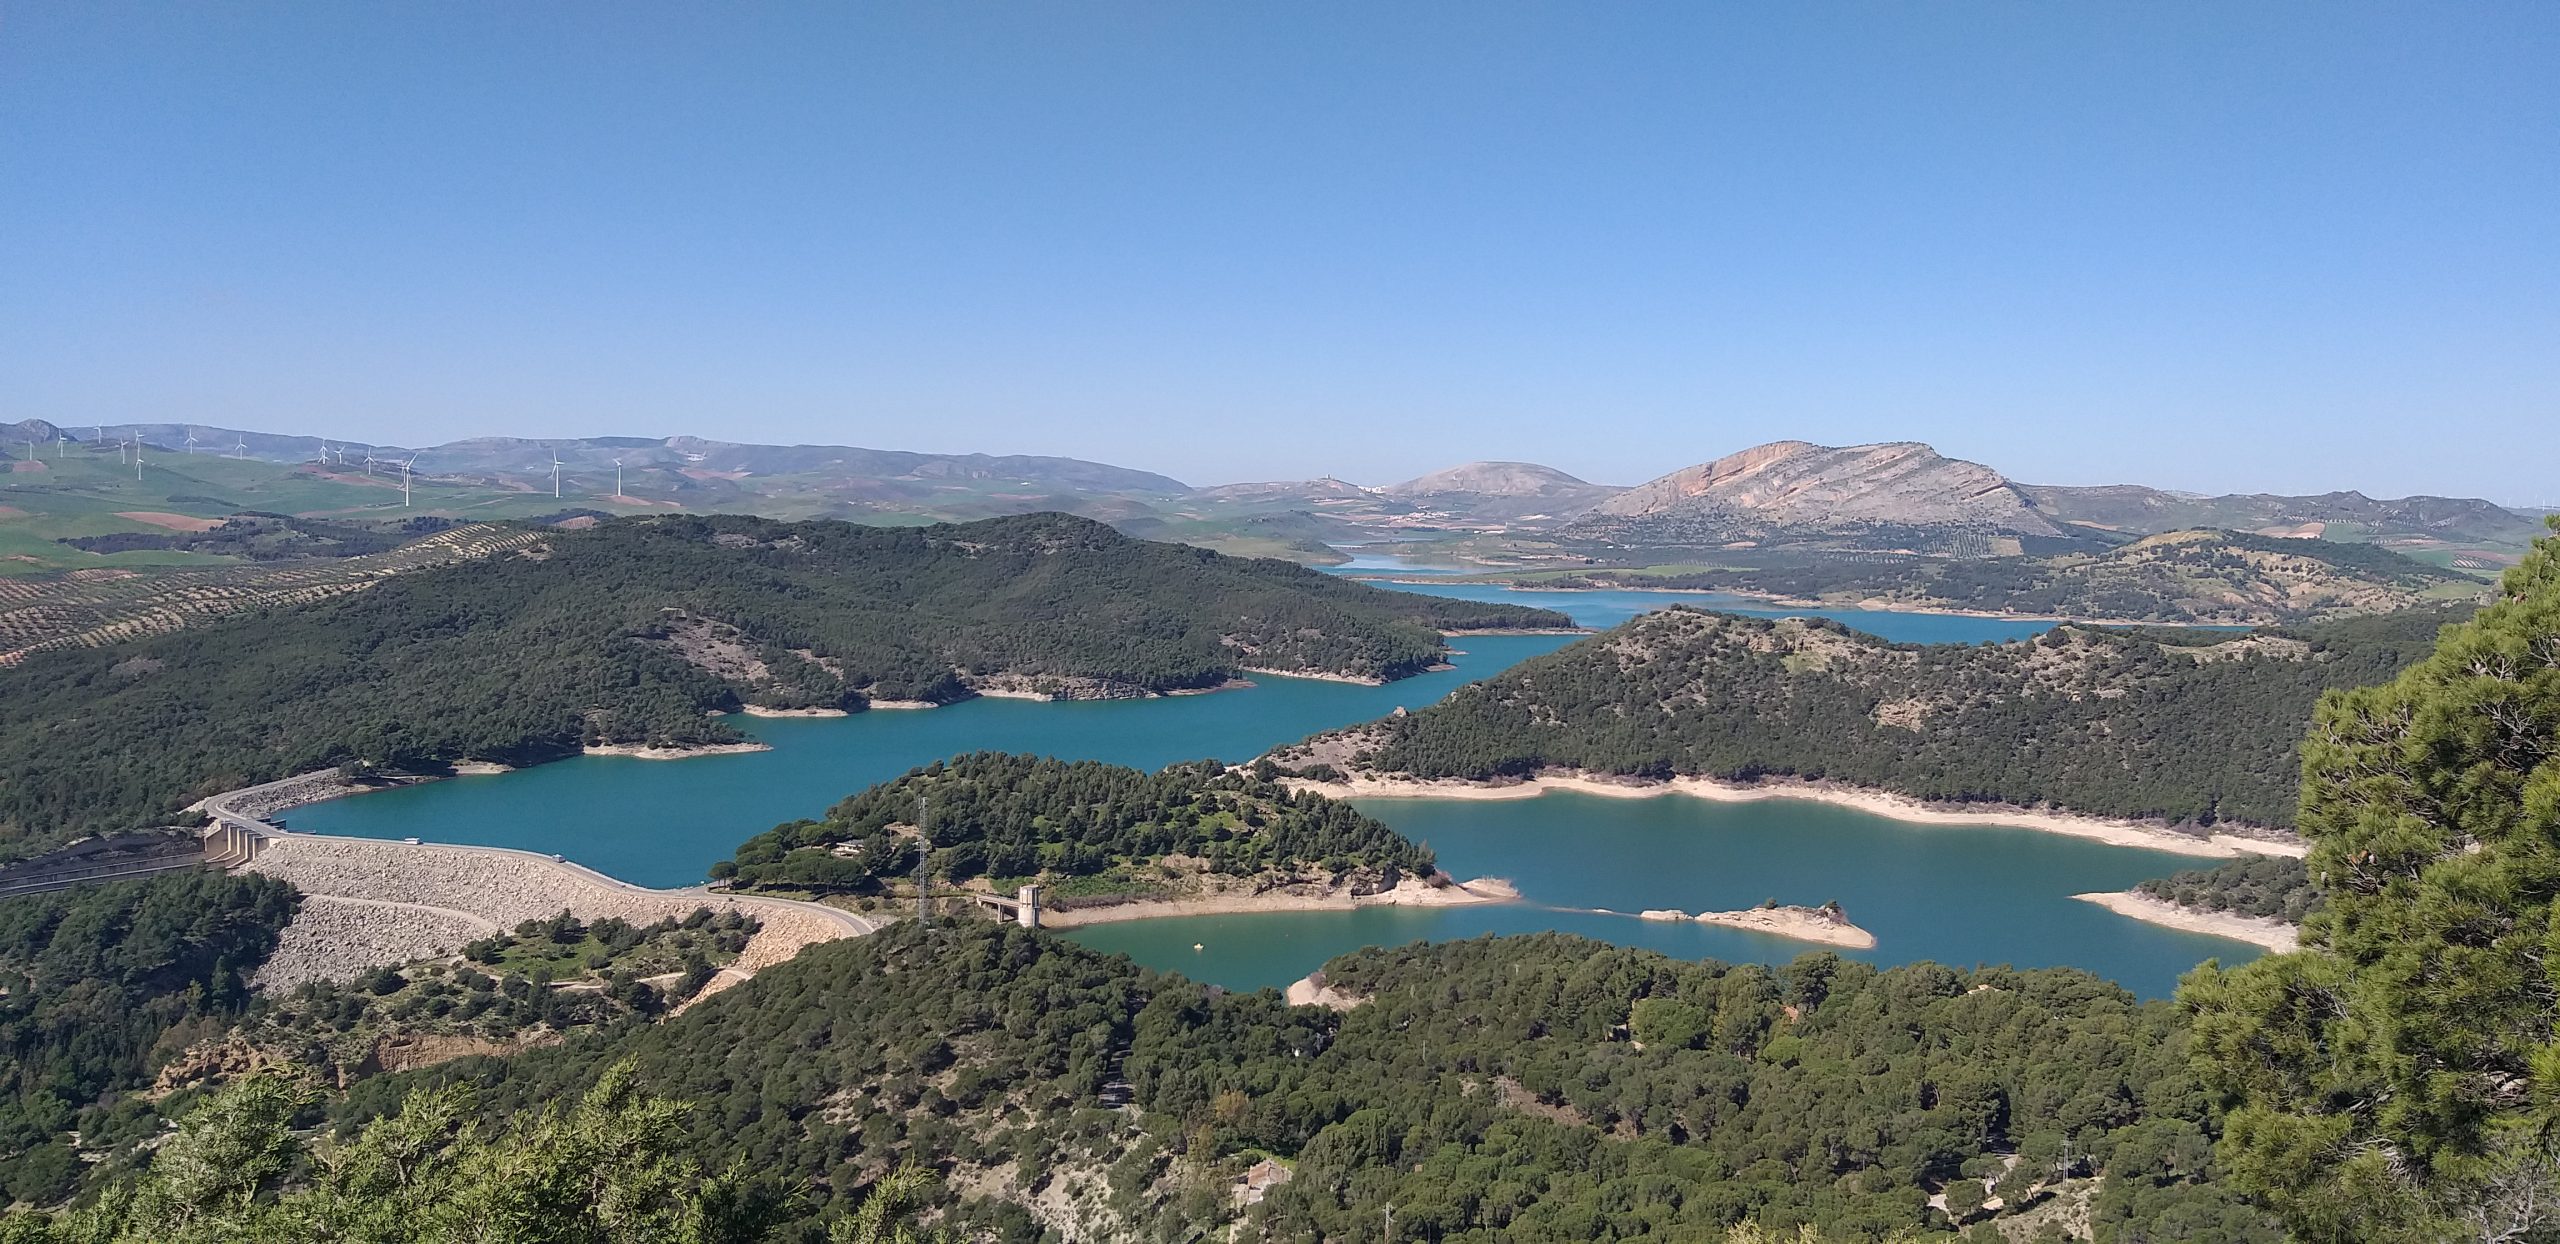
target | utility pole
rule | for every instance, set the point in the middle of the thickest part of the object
(924, 867)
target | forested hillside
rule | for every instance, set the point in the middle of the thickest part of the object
(94, 983)
(633, 631)
(2185, 728)
(1084, 828)
(2182, 577)
(1523, 1089)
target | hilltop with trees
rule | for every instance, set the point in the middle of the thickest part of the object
(2184, 727)
(1085, 829)
(635, 632)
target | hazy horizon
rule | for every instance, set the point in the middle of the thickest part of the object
(2287, 249)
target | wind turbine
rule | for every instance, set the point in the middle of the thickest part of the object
(191, 444)
(617, 478)
(137, 455)
(368, 462)
(404, 478)
(555, 473)
(241, 450)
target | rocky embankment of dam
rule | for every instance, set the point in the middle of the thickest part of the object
(369, 903)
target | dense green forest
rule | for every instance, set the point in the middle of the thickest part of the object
(97, 982)
(2399, 1077)
(1522, 1089)
(2274, 886)
(2179, 577)
(1096, 828)
(634, 630)
(2077, 718)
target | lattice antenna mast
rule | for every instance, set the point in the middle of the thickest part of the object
(924, 865)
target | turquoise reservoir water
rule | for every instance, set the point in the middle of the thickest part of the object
(1960, 895)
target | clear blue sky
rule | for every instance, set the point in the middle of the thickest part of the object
(2212, 245)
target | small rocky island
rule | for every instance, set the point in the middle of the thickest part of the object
(1827, 924)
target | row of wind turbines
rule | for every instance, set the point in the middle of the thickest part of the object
(408, 468)
(129, 452)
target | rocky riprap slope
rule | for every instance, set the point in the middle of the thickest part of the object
(381, 903)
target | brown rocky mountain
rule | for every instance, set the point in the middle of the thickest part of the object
(1793, 485)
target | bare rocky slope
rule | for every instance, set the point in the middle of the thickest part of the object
(1793, 484)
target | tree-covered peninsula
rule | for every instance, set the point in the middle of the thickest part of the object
(635, 631)
(1084, 829)
(2193, 728)
(2176, 577)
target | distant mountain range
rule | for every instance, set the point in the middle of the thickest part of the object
(1899, 497)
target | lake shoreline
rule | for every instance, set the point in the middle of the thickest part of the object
(645, 751)
(1412, 892)
(2267, 932)
(1873, 801)
(1803, 924)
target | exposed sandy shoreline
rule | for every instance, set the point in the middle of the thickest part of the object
(1879, 803)
(2275, 935)
(759, 710)
(639, 751)
(1802, 924)
(1412, 892)
(1311, 990)
(1357, 680)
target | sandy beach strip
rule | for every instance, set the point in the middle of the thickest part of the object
(642, 751)
(1409, 893)
(2266, 931)
(1357, 680)
(759, 710)
(1312, 990)
(1790, 922)
(1799, 923)
(1876, 802)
